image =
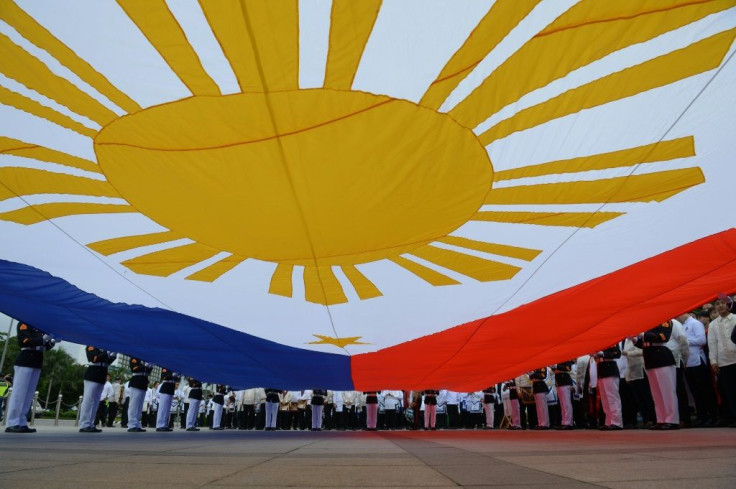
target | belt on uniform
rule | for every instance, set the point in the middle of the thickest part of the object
(169, 381)
(99, 364)
(37, 348)
(139, 374)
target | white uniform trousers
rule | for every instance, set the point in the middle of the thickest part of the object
(192, 412)
(164, 410)
(490, 411)
(430, 415)
(90, 403)
(272, 411)
(216, 415)
(135, 407)
(564, 394)
(515, 413)
(540, 400)
(371, 416)
(663, 383)
(25, 380)
(317, 417)
(611, 400)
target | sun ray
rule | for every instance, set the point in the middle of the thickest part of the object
(565, 219)
(649, 153)
(697, 58)
(217, 269)
(364, 287)
(430, 276)
(27, 181)
(525, 254)
(165, 262)
(273, 26)
(634, 188)
(589, 31)
(16, 147)
(25, 104)
(125, 243)
(471, 266)
(38, 35)
(322, 287)
(502, 17)
(32, 73)
(160, 27)
(281, 283)
(351, 24)
(41, 212)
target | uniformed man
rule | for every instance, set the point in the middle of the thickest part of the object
(195, 399)
(563, 383)
(33, 342)
(540, 390)
(318, 402)
(659, 363)
(166, 394)
(95, 378)
(272, 408)
(490, 398)
(608, 381)
(138, 387)
(430, 409)
(371, 405)
(218, 401)
(515, 407)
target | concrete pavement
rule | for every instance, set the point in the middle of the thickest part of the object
(60, 457)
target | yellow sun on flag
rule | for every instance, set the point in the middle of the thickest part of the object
(331, 177)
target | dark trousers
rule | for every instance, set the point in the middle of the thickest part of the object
(249, 416)
(727, 388)
(261, 418)
(100, 417)
(683, 405)
(453, 415)
(643, 397)
(390, 419)
(112, 412)
(183, 420)
(528, 415)
(124, 414)
(329, 415)
(628, 403)
(701, 386)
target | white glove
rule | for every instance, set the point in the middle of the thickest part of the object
(112, 354)
(46, 337)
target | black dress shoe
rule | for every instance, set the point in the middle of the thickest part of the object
(90, 429)
(136, 430)
(164, 429)
(192, 429)
(19, 429)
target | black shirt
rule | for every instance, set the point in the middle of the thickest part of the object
(371, 397)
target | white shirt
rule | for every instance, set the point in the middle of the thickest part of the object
(695, 332)
(126, 391)
(721, 349)
(634, 361)
(451, 397)
(678, 343)
(107, 393)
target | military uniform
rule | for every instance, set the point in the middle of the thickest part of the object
(371, 406)
(563, 382)
(138, 386)
(318, 403)
(659, 363)
(33, 342)
(430, 409)
(540, 390)
(608, 385)
(272, 408)
(165, 395)
(218, 401)
(195, 398)
(490, 398)
(95, 378)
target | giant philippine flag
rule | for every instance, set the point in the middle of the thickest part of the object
(363, 193)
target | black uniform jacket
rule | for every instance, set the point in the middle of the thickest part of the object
(31, 345)
(562, 373)
(607, 366)
(488, 395)
(655, 353)
(272, 395)
(139, 380)
(430, 398)
(318, 397)
(538, 377)
(99, 359)
(168, 381)
(195, 390)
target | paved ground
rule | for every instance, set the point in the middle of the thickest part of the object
(59, 457)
